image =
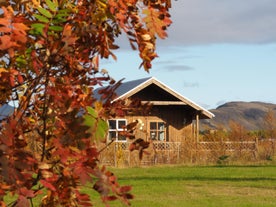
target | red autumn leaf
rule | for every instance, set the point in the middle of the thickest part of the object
(83, 174)
(7, 136)
(128, 196)
(83, 196)
(22, 201)
(111, 198)
(125, 189)
(27, 193)
(20, 78)
(48, 185)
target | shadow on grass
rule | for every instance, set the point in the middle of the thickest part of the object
(201, 178)
(256, 175)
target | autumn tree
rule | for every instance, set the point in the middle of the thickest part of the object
(270, 124)
(50, 52)
(238, 132)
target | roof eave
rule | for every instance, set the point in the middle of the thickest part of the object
(135, 89)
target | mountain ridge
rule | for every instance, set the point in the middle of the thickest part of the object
(250, 115)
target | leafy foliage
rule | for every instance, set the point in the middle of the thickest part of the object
(50, 53)
(140, 145)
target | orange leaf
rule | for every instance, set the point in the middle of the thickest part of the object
(6, 43)
(155, 24)
(20, 26)
(4, 22)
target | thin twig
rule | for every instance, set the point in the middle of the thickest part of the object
(107, 145)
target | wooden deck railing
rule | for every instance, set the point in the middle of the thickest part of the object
(158, 152)
(172, 146)
(156, 145)
(227, 146)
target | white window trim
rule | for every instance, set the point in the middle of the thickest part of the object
(117, 129)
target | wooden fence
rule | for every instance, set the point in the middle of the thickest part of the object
(213, 152)
(118, 154)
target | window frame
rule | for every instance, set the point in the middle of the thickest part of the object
(116, 129)
(157, 131)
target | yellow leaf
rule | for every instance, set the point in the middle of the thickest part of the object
(98, 106)
(36, 3)
(31, 120)
(74, 149)
(3, 70)
(146, 37)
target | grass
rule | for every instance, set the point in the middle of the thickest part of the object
(235, 186)
(210, 186)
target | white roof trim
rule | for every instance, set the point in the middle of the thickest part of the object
(134, 89)
(185, 99)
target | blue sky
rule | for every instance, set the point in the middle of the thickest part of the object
(217, 51)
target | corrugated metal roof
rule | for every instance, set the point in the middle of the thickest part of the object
(127, 86)
(124, 87)
(5, 111)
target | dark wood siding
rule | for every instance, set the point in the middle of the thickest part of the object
(154, 93)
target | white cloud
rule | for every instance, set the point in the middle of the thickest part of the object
(172, 65)
(199, 22)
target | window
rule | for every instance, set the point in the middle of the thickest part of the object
(157, 131)
(116, 126)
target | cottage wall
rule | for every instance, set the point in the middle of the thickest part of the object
(178, 128)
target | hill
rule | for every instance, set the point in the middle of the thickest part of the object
(249, 114)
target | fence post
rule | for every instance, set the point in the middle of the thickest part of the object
(115, 154)
(256, 151)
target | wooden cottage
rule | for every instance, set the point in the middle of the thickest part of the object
(172, 119)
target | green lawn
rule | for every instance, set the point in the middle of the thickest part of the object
(172, 186)
(182, 186)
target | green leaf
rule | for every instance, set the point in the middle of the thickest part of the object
(21, 60)
(63, 12)
(92, 111)
(59, 20)
(56, 28)
(37, 28)
(61, 16)
(53, 5)
(45, 12)
(98, 126)
(41, 18)
(102, 129)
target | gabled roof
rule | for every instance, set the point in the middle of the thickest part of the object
(5, 111)
(128, 89)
